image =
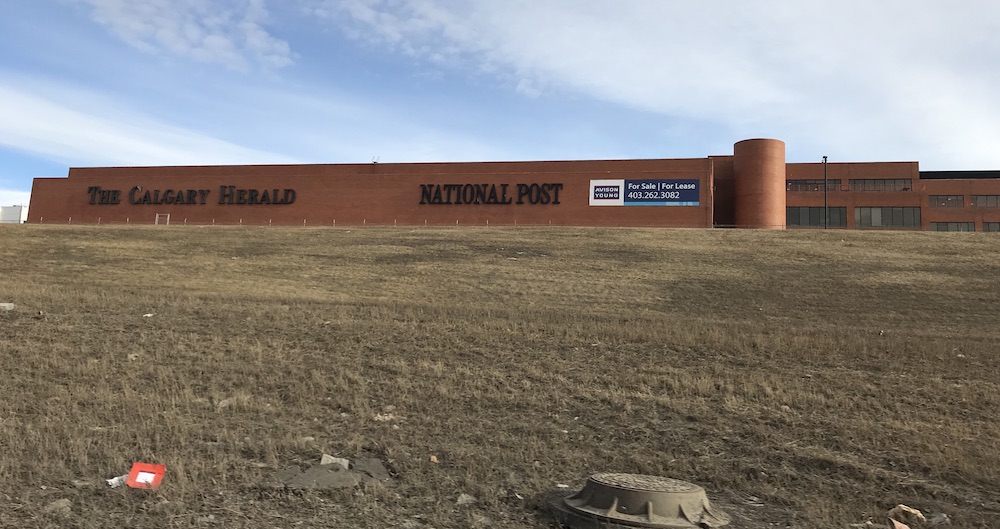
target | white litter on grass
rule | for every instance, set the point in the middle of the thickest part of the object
(465, 499)
(339, 461)
(150, 315)
(117, 481)
(7, 306)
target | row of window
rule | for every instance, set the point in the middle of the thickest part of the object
(882, 184)
(953, 226)
(947, 201)
(986, 201)
(813, 216)
(855, 184)
(936, 201)
(864, 217)
(873, 217)
(958, 201)
(887, 217)
(964, 226)
(811, 185)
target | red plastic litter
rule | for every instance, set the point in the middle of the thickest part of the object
(145, 476)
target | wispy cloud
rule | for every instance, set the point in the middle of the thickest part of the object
(78, 127)
(227, 32)
(865, 78)
(14, 197)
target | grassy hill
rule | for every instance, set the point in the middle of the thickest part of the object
(806, 379)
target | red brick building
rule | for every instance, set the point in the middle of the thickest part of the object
(754, 187)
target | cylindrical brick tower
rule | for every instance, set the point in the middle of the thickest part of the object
(759, 178)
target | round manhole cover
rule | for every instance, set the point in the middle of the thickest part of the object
(642, 482)
(637, 500)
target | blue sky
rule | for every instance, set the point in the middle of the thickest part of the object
(179, 82)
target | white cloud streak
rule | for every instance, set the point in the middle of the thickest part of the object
(14, 197)
(904, 78)
(226, 32)
(79, 128)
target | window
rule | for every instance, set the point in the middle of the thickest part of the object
(881, 184)
(986, 201)
(953, 226)
(947, 201)
(991, 226)
(813, 216)
(811, 185)
(887, 217)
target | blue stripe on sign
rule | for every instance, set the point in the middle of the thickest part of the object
(627, 203)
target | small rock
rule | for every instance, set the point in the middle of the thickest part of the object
(330, 460)
(62, 507)
(434, 459)
(231, 401)
(80, 483)
(372, 467)
(211, 517)
(132, 357)
(465, 499)
(6, 306)
(324, 478)
(307, 439)
(939, 519)
(906, 514)
(786, 408)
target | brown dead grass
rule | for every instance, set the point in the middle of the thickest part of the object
(804, 378)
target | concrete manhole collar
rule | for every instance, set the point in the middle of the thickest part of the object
(634, 500)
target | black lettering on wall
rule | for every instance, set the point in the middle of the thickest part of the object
(103, 197)
(478, 194)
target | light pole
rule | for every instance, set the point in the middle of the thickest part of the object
(826, 197)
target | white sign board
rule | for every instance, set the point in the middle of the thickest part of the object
(13, 214)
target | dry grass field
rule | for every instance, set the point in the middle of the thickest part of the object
(806, 379)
